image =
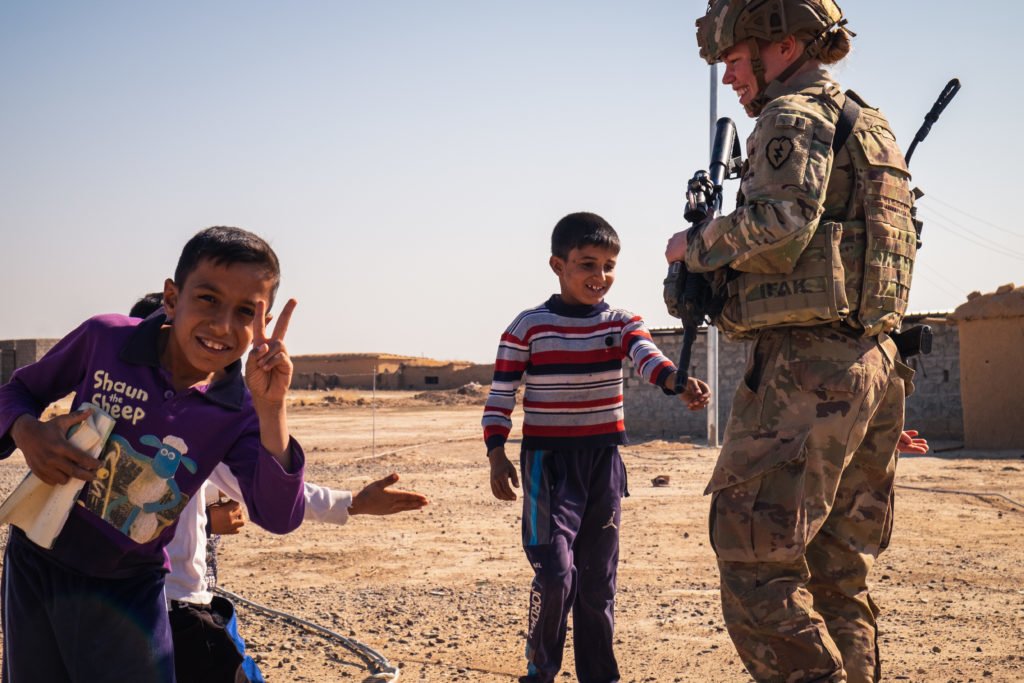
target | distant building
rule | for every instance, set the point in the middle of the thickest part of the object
(14, 353)
(992, 336)
(385, 371)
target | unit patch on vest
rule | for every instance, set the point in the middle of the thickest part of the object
(778, 151)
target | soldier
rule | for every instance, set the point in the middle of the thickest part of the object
(814, 267)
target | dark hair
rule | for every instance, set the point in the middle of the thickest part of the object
(147, 304)
(581, 229)
(226, 246)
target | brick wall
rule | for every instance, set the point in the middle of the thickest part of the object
(650, 413)
(935, 409)
(14, 353)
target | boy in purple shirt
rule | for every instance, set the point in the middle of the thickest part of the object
(93, 604)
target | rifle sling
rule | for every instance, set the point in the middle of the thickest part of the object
(844, 126)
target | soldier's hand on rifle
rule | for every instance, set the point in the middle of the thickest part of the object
(676, 248)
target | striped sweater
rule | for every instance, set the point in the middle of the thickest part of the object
(571, 357)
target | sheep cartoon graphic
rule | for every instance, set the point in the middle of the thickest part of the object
(151, 489)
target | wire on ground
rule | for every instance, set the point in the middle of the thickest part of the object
(957, 492)
(380, 668)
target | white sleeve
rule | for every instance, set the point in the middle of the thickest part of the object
(187, 554)
(322, 504)
(327, 505)
(223, 479)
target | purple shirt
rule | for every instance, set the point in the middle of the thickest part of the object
(165, 444)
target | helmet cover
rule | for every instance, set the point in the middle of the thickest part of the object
(729, 22)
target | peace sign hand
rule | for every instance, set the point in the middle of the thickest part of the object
(268, 369)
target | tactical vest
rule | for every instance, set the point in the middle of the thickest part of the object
(858, 265)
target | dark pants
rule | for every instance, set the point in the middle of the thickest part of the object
(571, 536)
(61, 626)
(207, 646)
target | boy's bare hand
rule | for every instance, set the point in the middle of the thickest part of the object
(696, 395)
(268, 369)
(377, 499)
(503, 472)
(226, 517)
(48, 453)
(910, 443)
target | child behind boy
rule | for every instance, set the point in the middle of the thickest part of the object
(92, 608)
(570, 349)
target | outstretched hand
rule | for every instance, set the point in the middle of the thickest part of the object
(268, 369)
(910, 443)
(49, 453)
(377, 499)
(226, 517)
(696, 395)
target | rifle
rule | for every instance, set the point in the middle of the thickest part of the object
(688, 296)
(918, 339)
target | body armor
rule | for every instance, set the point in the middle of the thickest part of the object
(858, 264)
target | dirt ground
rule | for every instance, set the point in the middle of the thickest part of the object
(442, 593)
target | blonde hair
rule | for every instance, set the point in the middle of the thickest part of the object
(834, 46)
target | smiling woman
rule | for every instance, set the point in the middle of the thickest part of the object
(814, 266)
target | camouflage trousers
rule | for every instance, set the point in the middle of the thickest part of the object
(802, 502)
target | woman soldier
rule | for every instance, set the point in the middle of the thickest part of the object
(814, 267)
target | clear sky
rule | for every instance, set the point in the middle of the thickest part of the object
(407, 160)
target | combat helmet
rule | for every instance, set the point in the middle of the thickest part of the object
(730, 22)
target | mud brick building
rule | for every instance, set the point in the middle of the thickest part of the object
(15, 353)
(385, 371)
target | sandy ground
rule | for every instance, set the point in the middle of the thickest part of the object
(442, 593)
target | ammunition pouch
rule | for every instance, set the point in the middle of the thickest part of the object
(813, 294)
(890, 235)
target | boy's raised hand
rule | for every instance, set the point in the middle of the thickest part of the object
(48, 453)
(268, 369)
(377, 499)
(503, 473)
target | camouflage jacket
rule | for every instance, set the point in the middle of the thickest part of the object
(786, 179)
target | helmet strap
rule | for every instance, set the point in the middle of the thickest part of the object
(811, 51)
(760, 100)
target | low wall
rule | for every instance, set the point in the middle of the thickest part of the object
(935, 409)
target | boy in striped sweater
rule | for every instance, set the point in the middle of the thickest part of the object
(570, 350)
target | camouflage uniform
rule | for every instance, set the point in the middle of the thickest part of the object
(802, 491)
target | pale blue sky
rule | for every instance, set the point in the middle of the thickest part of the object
(407, 160)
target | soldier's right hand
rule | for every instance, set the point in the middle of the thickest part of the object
(503, 472)
(48, 453)
(675, 250)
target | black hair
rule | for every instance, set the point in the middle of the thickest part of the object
(582, 229)
(147, 304)
(226, 246)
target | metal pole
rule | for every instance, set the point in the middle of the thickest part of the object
(373, 412)
(712, 335)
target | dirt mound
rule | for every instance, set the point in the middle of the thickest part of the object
(468, 394)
